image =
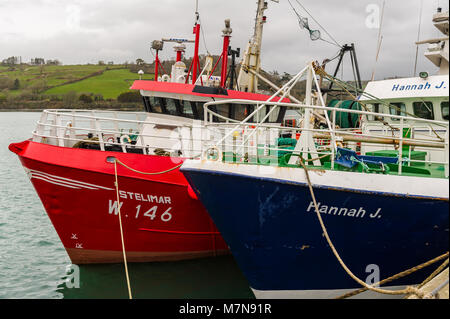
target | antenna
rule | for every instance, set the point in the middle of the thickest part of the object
(418, 36)
(197, 15)
(380, 40)
(251, 59)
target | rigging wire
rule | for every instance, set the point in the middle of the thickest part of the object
(418, 36)
(354, 73)
(379, 42)
(331, 37)
(203, 36)
(337, 55)
(303, 22)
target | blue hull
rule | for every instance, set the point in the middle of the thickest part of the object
(275, 236)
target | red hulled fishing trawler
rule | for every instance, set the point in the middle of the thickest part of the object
(103, 174)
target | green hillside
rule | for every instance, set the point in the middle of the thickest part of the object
(31, 77)
(109, 84)
(108, 81)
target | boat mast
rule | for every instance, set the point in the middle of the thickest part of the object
(195, 61)
(252, 56)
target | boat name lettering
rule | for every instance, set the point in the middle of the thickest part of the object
(417, 87)
(145, 197)
(140, 211)
(344, 211)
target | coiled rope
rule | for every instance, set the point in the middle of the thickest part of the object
(407, 290)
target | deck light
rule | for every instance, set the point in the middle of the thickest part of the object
(423, 75)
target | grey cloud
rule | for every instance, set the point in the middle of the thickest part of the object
(122, 30)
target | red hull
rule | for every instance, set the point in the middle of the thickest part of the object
(161, 218)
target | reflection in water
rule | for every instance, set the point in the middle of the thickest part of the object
(33, 260)
(207, 278)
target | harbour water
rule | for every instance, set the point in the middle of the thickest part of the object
(33, 262)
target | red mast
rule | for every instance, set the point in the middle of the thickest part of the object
(179, 53)
(156, 66)
(195, 61)
(226, 42)
(157, 46)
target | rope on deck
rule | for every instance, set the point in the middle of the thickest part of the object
(408, 290)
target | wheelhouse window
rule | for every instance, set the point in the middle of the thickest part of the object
(195, 110)
(188, 110)
(376, 108)
(242, 111)
(423, 110)
(171, 106)
(276, 116)
(444, 110)
(198, 106)
(224, 110)
(221, 109)
(154, 104)
(398, 109)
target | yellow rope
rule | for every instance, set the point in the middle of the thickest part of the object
(430, 277)
(120, 216)
(435, 273)
(407, 290)
(121, 231)
(147, 173)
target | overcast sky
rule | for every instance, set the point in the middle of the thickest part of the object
(86, 31)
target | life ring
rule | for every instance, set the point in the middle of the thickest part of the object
(122, 139)
(208, 154)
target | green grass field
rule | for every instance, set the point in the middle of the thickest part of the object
(109, 84)
(115, 79)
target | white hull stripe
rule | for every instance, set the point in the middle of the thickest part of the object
(55, 183)
(410, 186)
(62, 181)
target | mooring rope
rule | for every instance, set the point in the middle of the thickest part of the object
(121, 231)
(147, 173)
(407, 290)
(120, 216)
(400, 275)
(434, 274)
